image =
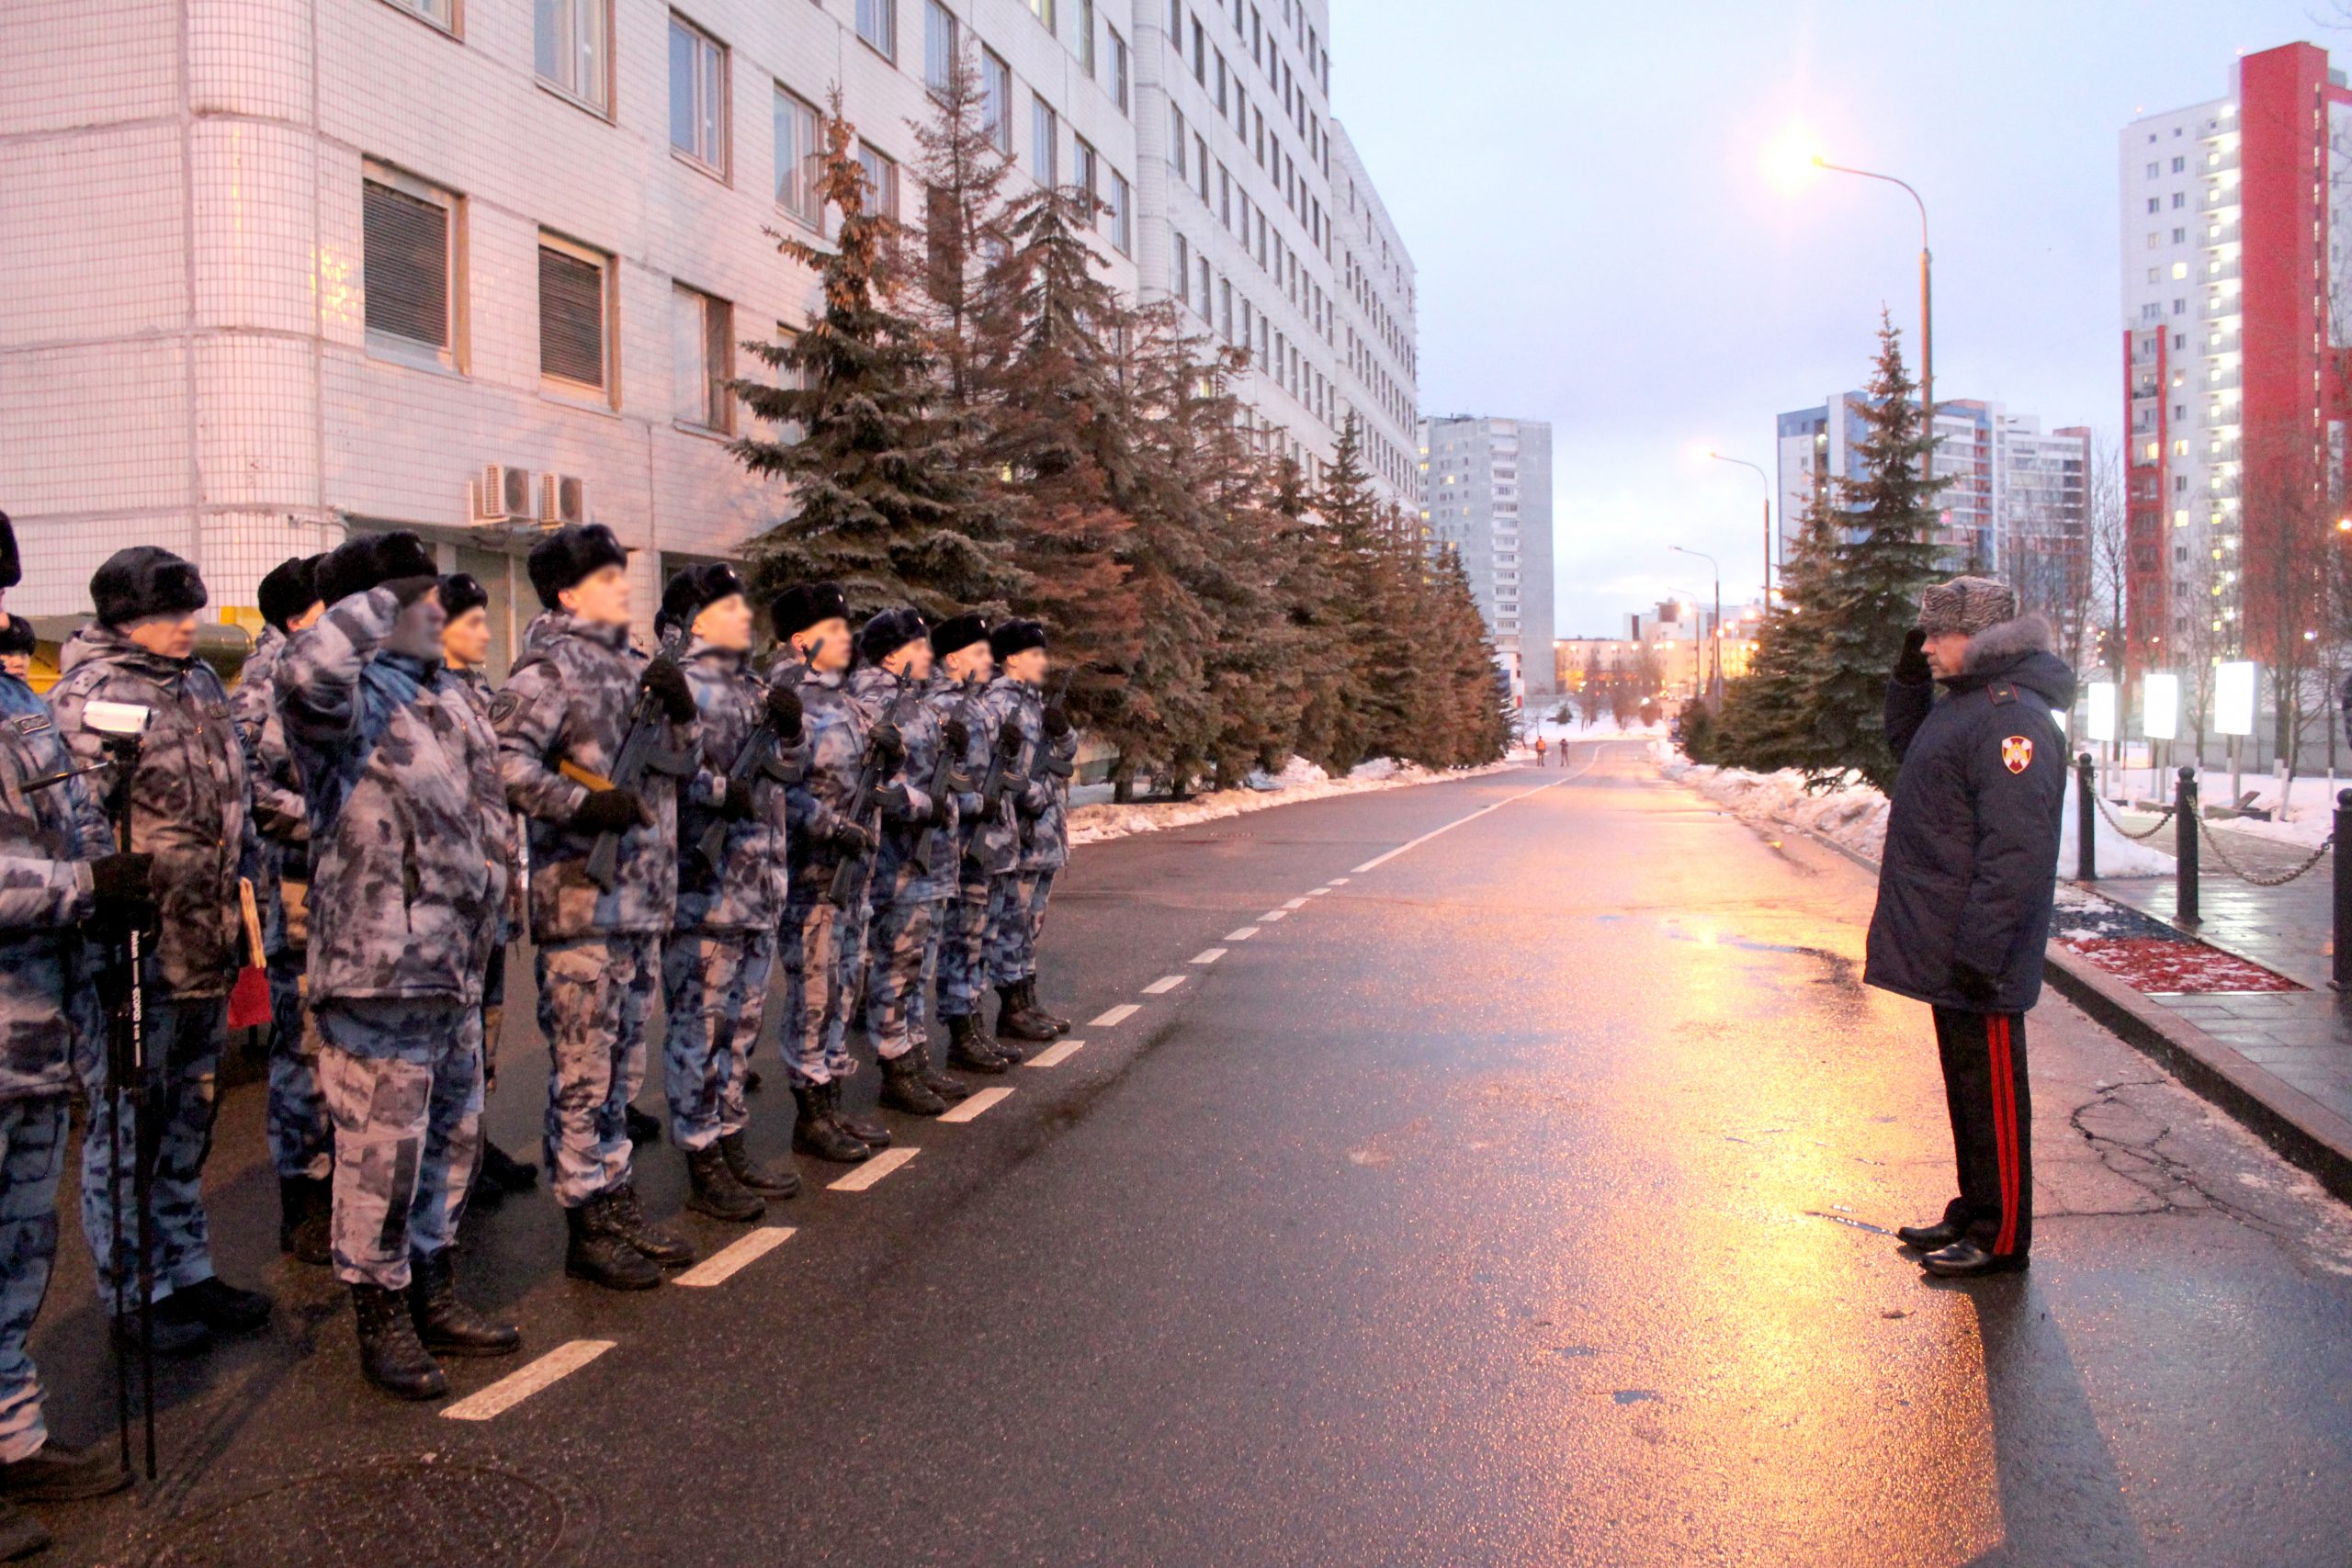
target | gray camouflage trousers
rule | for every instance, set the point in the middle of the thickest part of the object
(1016, 915)
(32, 1152)
(403, 1080)
(959, 948)
(184, 1040)
(596, 994)
(811, 954)
(897, 936)
(713, 985)
(301, 1138)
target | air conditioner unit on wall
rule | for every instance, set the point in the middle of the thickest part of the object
(505, 493)
(563, 499)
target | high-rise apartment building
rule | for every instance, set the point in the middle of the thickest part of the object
(2014, 498)
(274, 272)
(2237, 303)
(1488, 500)
(1379, 378)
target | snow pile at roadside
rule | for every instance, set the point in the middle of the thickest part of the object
(1299, 780)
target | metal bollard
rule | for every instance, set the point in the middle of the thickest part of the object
(2086, 827)
(2184, 827)
(2343, 890)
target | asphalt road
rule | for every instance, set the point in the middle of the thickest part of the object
(1517, 1198)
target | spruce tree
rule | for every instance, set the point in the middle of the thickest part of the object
(1373, 615)
(962, 171)
(1768, 718)
(882, 497)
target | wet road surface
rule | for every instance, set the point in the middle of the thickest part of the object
(1518, 1197)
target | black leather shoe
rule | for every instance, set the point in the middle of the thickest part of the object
(305, 1218)
(642, 1129)
(444, 1324)
(1963, 1259)
(178, 1331)
(224, 1308)
(768, 1181)
(597, 1254)
(56, 1473)
(508, 1172)
(1930, 1238)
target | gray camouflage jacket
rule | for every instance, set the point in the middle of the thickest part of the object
(474, 685)
(746, 890)
(188, 799)
(47, 836)
(408, 816)
(833, 730)
(281, 815)
(1041, 795)
(569, 699)
(908, 808)
(990, 841)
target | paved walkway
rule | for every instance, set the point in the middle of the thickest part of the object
(2304, 1037)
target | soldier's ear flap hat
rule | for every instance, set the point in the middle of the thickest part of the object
(371, 560)
(803, 605)
(696, 589)
(460, 592)
(12, 565)
(958, 632)
(1968, 604)
(290, 588)
(144, 580)
(568, 556)
(1015, 636)
(18, 637)
(890, 631)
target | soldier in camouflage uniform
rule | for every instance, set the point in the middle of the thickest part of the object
(569, 701)
(58, 867)
(301, 1140)
(987, 844)
(1017, 899)
(187, 800)
(813, 621)
(715, 969)
(913, 865)
(465, 650)
(410, 859)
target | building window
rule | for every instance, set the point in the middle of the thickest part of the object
(881, 180)
(1176, 142)
(1122, 222)
(877, 25)
(697, 96)
(1044, 143)
(1086, 38)
(442, 14)
(1085, 173)
(1179, 270)
(940, 42)
(797, 153)
(789, 377)
(574, 55)
(702, 359)
(409, 268)
(1225, 308)
(1119, 71)
(575, 287)
(1043, 11)
(996, 99)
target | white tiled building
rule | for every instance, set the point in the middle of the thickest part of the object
(1379, 351)
(272, 269)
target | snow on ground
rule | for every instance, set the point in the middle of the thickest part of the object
(1094, 817)
(2311, 815)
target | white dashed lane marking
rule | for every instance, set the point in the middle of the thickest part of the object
(1316, 892)
(1337, 881)
(1296, 904)
(1164, 985)
(728, 1260)
(966, 1109)
(519, 1385)
(1273, 915)
(1116, 1016)
(1056, 1054)
(1379, 861)
(1210, 957)
(1244, 934)
(873, 1171)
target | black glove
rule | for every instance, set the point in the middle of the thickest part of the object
(889, 746)
(1008, 743)
(667, 683)
(1912, 667)
(1057, 723)
(407, 590)
(783, 713)
(124, 887)
(958, 735)
(737, 807)
(609, 811)
(850, 838)
(1974, 985)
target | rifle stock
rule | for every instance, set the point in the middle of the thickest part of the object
(641, 753)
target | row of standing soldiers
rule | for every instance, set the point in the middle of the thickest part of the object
(878, 816)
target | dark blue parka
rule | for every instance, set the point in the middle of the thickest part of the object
(1972, 840)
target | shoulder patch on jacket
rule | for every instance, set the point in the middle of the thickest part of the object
(503, 707)
(2016, 753)
(2002, 693)
(30, 723)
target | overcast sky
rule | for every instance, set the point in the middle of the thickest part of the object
(1581, 185)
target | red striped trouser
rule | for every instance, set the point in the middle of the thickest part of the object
(1992, 1123)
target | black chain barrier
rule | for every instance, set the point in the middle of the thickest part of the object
(2262, 879)
(2162, 818)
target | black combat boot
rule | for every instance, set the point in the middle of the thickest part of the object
(1054, 1021)
(391, 1356)
(504, 1170)
(305, 1218)
(219, 1305)
(950, 1090)
(1015, 1020)
(445, 1324)
(816, 1133)
(714, 1190)
(971, 1050)
(21, 1535)
(629, 1221)
(903, 1089)
(59, 1472)
(642, 1129)
(599, 1256)
(767, 1180)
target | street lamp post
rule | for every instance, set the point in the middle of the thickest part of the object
(1927, 307)
(1715, 674)
(1761, 474)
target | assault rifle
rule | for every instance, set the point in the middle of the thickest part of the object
(884, 748)
(944, 777)
(761, 757)
(641, 753)
(1042, 766)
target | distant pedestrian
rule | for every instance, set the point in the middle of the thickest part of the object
(1540, 749)
(1964, 890)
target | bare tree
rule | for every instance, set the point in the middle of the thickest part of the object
(2282, 573)
(2107, 538)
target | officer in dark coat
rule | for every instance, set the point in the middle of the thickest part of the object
(1964, 890)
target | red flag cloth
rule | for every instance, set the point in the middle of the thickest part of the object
(249, 1002)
